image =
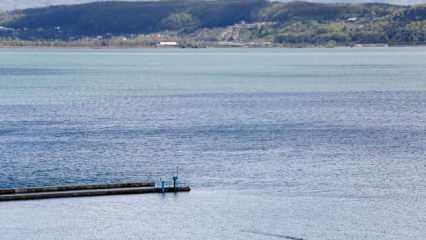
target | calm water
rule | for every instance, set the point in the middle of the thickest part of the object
(277, 144)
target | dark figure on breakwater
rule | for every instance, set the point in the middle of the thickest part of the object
(175, 178)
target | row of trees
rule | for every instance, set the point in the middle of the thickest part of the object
(349, 33)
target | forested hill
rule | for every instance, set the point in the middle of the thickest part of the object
(220, 20)
(135, 17)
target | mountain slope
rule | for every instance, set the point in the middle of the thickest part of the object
(132, 17)
(220, 20)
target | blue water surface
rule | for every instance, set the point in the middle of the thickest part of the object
(343, 130)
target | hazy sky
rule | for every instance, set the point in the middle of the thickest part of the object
(15, 4)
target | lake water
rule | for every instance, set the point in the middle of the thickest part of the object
(276, 143)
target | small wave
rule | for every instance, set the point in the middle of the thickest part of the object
(273, 235)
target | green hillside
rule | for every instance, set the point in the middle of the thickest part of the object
(131, 17)
(293, 23)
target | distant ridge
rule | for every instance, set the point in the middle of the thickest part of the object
(6, 5)
(23, 4)
(233, 21)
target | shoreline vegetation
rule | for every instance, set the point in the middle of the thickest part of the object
(97, 45)
(217, 23)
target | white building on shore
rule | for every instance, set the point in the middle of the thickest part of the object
(167, 44)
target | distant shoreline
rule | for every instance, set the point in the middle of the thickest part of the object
(209, 47)
(176, 48)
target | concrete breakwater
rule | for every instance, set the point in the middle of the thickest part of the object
(75, 187)
(86, 191)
